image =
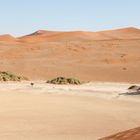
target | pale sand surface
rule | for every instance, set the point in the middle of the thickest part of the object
(50, 112)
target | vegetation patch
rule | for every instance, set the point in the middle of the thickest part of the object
(7, 76)
(65, 81)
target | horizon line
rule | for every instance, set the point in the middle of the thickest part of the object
(51, 30)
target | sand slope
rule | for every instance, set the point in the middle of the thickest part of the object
(98, 56)
(133, 134)
(7, 38)
(51, 36)
(125, 33)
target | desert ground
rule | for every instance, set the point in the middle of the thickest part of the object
(84, 112)
(108, 62)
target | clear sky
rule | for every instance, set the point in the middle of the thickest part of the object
(19, 17)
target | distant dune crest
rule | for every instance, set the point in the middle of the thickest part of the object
(40, 32)
(55, 36)
(7, 37)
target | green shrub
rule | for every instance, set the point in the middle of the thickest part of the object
(64, 81)
(7, 76)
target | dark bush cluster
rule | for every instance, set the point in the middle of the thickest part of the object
(7, 76)
(64, 81)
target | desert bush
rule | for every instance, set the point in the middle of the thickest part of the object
(7, 76)
(64, 81)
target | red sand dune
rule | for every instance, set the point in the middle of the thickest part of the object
(42, 35)
(7, 37)
(133, 134)
(38, 36)
(126, 33)
(99, 56)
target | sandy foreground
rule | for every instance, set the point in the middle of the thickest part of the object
(53, 112)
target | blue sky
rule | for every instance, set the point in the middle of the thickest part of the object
(19, 17)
